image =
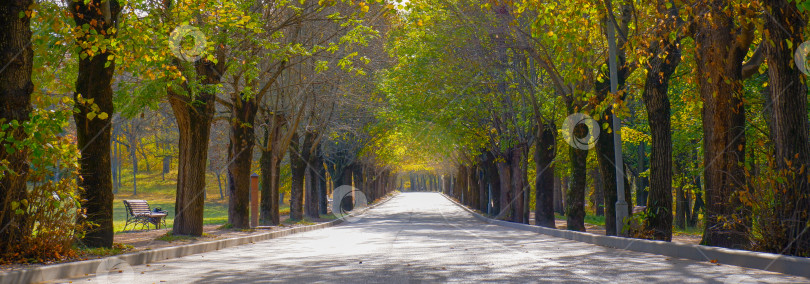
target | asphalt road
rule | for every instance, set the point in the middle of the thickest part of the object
(423, 237)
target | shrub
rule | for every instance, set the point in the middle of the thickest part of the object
(49, 213)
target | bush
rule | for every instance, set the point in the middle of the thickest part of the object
(49, 213)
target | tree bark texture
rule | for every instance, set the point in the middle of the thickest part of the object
(660, 67)
(298, 169)
(789, 96)
(15, 104)
(719, 55)
(545, 153)
(94, 81)
(240, 155)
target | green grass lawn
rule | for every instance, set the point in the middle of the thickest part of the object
(161, 194)
(216, 212)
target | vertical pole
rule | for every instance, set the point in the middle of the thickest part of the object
(254, 200)
(621, 204)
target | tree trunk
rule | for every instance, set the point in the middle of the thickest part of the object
(545, 153)
(194, 124)
(15, 104)
(506, 194)
(605, 151)
(483, 194)
(357, 177)
(94, 82)
(240, 155)
(311, 200)
(519, 183)
(322, 185)
(598, 194)
(134, 158)
(346, 176)
(270, 163)
(607, 169)
(687, 206)
(786, 24)
(659, 203)
(575, 197)
(720, 52)
(462, 183)
(680, 208)
(558, 195)
(219, 184)
(194, 115)
(641, 182)
(115, 159)
(696, 208)
(298, 168)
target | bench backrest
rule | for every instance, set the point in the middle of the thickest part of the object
(136, 207)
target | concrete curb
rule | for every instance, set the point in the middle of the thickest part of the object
(88, 267)
(791, 265)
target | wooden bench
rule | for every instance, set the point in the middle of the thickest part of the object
(138, 212)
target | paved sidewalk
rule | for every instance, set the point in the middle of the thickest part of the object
(423, 237)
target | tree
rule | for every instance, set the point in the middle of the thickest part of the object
(544, 157)
(15, 109)
(298, 167)
(97, 21)
(723, 34)
(605, 147)
(189, 79)
(665, 55)
(784, 29)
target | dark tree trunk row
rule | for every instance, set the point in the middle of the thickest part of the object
(320, 174)
(506, 194)
(270, 163)
(313, 162)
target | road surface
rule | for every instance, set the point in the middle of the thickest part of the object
(423, 237)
